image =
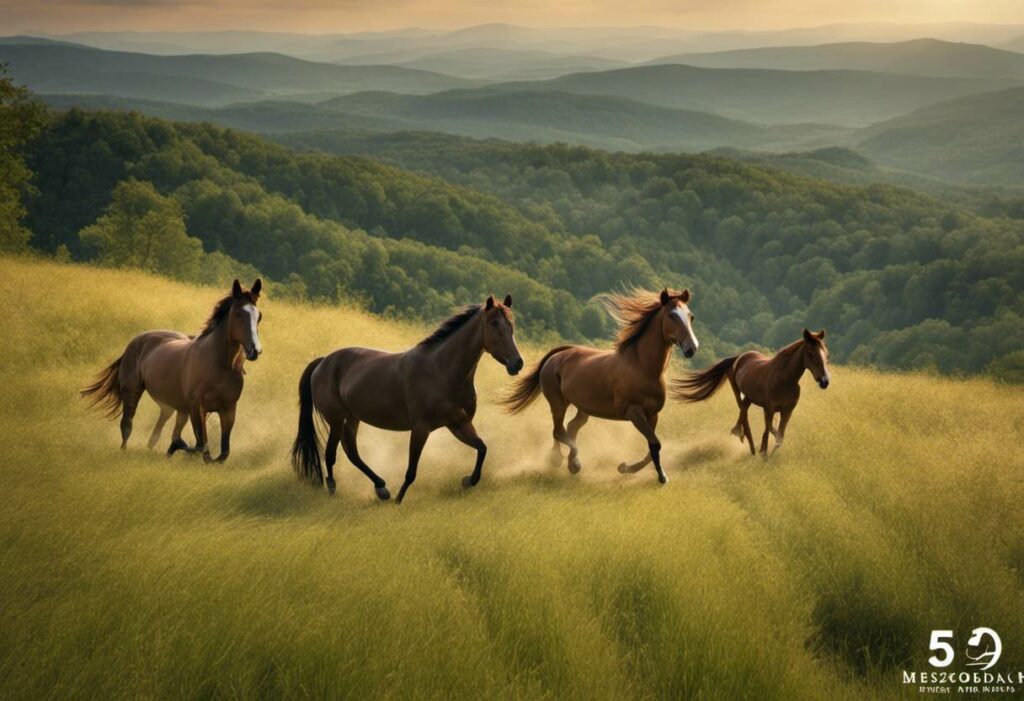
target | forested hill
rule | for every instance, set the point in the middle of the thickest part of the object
(899, 279)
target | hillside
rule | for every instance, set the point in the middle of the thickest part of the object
(203, 79)
(853, 98)
(815, 575)
(977, 140)
(488, 63)
(917, 57)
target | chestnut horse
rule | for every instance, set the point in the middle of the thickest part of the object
(770, 383)
(425, 388)
(192, 376)
(624, 384)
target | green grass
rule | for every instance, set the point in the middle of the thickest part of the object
(895, 508)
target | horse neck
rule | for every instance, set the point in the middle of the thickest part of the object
(218, 347)
(790, 363)
(652, 350)
(458, 355)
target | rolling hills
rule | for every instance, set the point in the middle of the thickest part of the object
(916, 57)
(851, 98)
(203, 79)
(977, 140)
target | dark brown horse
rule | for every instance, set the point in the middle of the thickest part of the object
(425, 388)
(771, 383)
(624, 384)
(192, 376)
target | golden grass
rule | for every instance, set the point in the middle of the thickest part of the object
(894, 508)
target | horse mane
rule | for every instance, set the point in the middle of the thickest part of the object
(220, 310)
(632, 310)
(450, 325)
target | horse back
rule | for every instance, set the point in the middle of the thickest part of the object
(364, 383)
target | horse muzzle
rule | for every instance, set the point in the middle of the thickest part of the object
(823, 383)
(689, 352)
(252, 353)
(512, 367)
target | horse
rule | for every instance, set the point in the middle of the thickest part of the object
(190, 375)
(770, 383)
(623, 384)
(420, 390)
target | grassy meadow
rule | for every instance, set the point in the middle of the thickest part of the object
(896, 507)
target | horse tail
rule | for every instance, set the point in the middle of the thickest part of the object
(306, 449)
(698, 386)
(527, 388)
(105, 393)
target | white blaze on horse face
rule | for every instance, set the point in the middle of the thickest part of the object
(254, 319)
(682, 312)
(825, 375)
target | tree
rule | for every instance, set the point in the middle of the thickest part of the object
(20, 120)
(143, 229)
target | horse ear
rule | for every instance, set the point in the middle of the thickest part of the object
(256, 287)
(665, 296)
(490, 303)
(236, 288)
(821, 334)
(808, 336)
(508, 301)
(685, 296)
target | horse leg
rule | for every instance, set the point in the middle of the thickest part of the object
(558, 408)
(745, 418)
(780, 435)
(642, 421)
(769, 416)
(348, 444)
(466, 432)
(330, 457)
(198, 416)
(165, 414)
(640, 464)
(417, 440)
(129, 405)
(737, 430)
(575, 425)
(227, 422)
(177, 442)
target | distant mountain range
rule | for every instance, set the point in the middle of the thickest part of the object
(204, 79)
(851, 98)
(918, 57)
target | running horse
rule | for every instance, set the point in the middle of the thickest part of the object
(190, 375)
(771, 383)
(623, 384)
(425, 388)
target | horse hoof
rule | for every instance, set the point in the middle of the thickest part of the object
(574, 465)
(331, 486)
(467, 482)
(382, 493)
(207, 458)
(623, 468)
(223, 457)
(663, 479)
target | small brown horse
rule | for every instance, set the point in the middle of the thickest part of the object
(425, 388)
(624, 384)
(770, 383)
(189, 375)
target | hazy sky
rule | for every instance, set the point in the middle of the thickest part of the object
(325, 16)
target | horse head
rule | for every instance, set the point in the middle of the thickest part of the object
(815, 355)
(677, 322)
(244, 318)
(499, 334)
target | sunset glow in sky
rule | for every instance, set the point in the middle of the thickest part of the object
(341, 16)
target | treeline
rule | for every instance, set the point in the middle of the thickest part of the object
(901, 280)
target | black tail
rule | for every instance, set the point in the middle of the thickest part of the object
(528, 387)
(306, 449)
(698, 386)
(105, 392)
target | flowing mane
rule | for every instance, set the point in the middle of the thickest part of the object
(450, 325)
(220, 311)
(632, 311)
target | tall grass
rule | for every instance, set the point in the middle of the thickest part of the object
(895, 508)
